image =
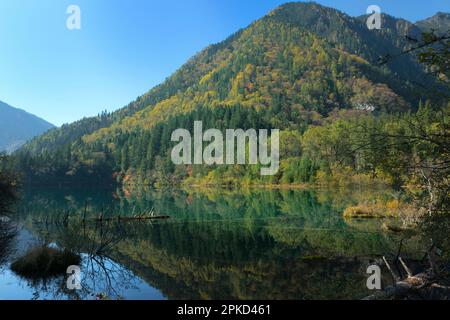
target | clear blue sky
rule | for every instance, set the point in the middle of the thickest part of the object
(125, 47)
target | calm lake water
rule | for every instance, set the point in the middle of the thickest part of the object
(217, 244)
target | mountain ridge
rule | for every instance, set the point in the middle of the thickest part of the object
(413, 71)
(440, 23)
(188, 74)
(18, 126)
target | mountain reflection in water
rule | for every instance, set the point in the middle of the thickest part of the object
(217, 244)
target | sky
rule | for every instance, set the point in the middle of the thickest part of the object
(125, 47)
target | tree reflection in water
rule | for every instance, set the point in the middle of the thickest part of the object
(7, 234)
(101, 276)
(7, 197)
(216, 245)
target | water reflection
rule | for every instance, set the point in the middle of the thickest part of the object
(7, 234)
(102, 278)
(216, 245)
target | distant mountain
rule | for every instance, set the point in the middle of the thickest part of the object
(18, 126)
(440, 22)
(298, 63)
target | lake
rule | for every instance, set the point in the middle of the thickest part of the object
(216, 243)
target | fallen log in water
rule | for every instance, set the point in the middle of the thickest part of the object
(137, 218)
(162, 217)
(422, 285)
(410, 286)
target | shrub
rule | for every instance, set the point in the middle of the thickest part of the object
(379, 209)
(44, 262)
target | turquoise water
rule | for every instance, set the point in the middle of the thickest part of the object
(217, 244)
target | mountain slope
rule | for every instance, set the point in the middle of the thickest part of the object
(440, 23)
(297, 51)
(293, 66)
(18, 126)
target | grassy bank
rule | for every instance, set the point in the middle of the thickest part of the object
(379, 209)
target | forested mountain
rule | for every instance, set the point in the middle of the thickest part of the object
(18, 126)
(290, 69)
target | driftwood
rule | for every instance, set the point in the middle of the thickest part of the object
(138, 217)
(422, 285)
(65, 218)
(134, 218)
